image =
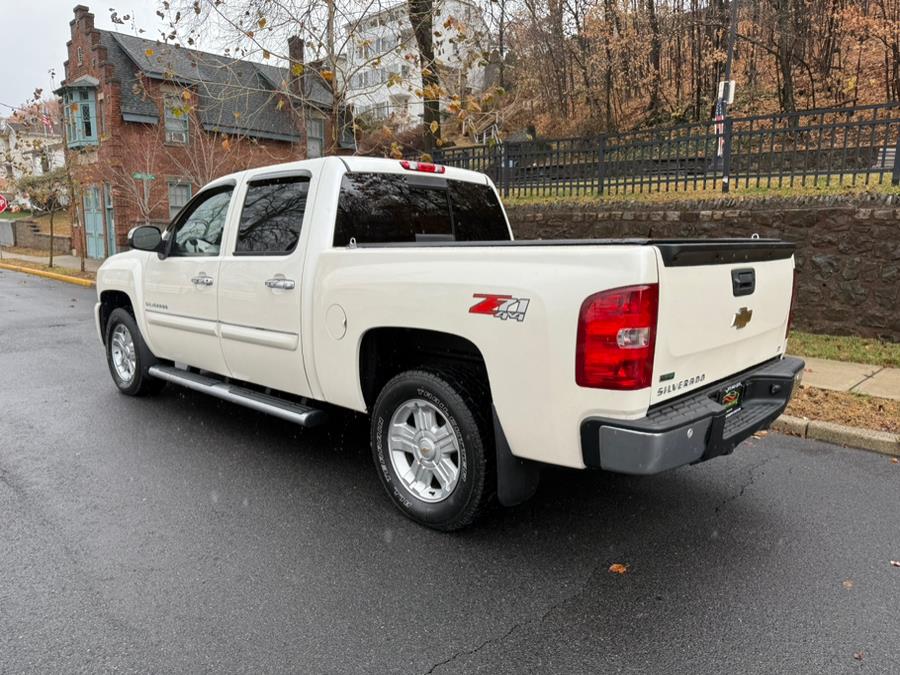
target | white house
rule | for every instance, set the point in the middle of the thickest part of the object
(28, 148)
(382, 70)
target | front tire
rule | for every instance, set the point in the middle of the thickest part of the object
(128, 356)
(429, 443)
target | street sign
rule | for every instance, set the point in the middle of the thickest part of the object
(4, 204)
(143, 176)
(729, 97)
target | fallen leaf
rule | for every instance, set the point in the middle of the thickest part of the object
(894, 460)
(848, 584)
(619, 568)
(858, 656)
(895, 563)
(149, 52)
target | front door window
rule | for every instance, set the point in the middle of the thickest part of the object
(198, 230)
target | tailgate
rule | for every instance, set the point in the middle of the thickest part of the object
(723, 308)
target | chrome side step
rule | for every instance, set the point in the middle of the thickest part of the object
(277, 407)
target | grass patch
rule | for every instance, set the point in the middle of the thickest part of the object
(841, 348)
(814, 187)
(852, 410)
(9, 215)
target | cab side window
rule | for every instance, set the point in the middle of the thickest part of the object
(198, 230)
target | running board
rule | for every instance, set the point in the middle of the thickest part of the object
(277, 407)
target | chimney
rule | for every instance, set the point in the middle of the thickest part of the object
(296, 48)
(83, 15)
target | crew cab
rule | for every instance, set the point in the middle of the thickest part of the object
(395, 288)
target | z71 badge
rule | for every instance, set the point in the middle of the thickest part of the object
(500, 306)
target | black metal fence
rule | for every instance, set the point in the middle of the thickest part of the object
(809, 147)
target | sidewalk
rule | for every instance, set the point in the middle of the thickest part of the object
(857, 378)
(65, 261)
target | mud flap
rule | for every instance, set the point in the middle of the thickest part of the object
(517, 479)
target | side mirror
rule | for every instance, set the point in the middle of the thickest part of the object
(145, 238)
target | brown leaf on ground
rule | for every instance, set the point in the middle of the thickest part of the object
(894, 460)
(619, 568)
(848, 584)
(858, 656)
(854, 410)
(761, 434)
(895, 563)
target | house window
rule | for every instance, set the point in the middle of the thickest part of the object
(176, 120)
(80, 110)
(179, 195)
(315, 137)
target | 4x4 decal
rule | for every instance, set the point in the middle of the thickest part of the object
(500, 306)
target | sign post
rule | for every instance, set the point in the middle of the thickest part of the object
(4, 204)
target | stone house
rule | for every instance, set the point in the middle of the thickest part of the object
(148, 123)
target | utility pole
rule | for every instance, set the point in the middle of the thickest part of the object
(722, 123)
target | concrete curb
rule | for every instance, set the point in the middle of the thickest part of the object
(78, 281)
(865, 439)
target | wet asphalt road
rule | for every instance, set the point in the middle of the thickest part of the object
(183, 534)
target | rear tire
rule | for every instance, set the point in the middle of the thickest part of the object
(430, 444)
(128, 356)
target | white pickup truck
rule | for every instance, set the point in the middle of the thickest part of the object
(395, 288)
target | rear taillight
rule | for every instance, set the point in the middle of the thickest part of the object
(424, 167)
(616, 338)
(790, 321)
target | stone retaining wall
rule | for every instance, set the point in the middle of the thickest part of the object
(27, 237)
(848, 250)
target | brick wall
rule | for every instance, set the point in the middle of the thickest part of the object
(848, 250)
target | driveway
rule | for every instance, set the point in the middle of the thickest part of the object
(180, 533)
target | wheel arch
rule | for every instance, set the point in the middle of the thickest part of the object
(386, 351)
(110, 300)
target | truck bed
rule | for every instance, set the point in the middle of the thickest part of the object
(674, 252)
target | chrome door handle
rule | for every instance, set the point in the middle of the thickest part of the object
(280, 283)
(202, 280)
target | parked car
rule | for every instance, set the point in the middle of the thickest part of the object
(395, 288)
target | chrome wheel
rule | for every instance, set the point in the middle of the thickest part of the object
(123, 353)
(424, 450)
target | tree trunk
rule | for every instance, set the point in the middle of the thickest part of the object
(421, 16)
(654, 60)
(786, 53)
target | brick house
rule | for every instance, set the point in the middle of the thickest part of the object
(147, 124)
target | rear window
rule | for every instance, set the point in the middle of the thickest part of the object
(380, 208)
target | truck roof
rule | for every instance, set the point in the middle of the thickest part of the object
(352, 163)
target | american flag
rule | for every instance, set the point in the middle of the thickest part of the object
(46, 121)
(720, 126)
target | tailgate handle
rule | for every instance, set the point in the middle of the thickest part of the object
(743, 281)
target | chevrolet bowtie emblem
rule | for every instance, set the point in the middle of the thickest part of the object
(742, 317)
